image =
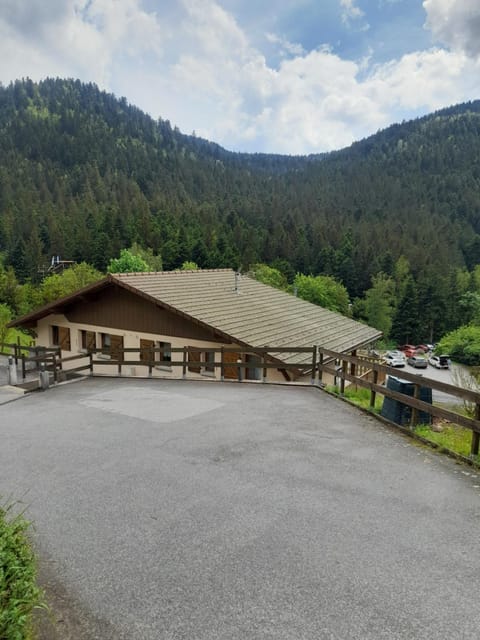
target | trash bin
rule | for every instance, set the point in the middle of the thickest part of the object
(400, 413)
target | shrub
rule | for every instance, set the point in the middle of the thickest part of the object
(463, 344)
(19, 593)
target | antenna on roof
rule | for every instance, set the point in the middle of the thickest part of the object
(237, 282)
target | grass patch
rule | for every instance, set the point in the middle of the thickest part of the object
(359, 397)
(19, 593)
(453, 437)
(14, 336)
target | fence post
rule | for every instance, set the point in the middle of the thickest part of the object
(184, 367)
(314, 363)
(320, 367)
(24, 369)
(239, 362)
(414, 416)
(373, 393)
(475, 434)
(264, 362)
(151, 361)
(54, 360)
(353, 367)
(342, 380)
(222, 364)
(90, 355)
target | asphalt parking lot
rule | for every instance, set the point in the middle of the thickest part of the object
(189, 510)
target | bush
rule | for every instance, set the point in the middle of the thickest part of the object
(463, 345)
(19, 593)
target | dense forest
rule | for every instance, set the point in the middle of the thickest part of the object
(395, 218)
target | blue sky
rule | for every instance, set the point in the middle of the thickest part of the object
(283, 76)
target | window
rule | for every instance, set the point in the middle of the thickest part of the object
(61, 337)
(106, 344)
(165, 353)
(87, 340)
(209, 360)
(112, 345)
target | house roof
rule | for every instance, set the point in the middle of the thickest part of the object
(236, 307)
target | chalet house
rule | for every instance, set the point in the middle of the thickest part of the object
(201, 310)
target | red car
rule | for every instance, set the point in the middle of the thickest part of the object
(408, 349)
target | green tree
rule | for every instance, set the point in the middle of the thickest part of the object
(188, 265)
(128, 262)
(269, 275)
(324, 291)
(153, 261)
(379, 303)
(5, 317)
(60, 285)
(405, 322)
(462, 344)
(470, 307)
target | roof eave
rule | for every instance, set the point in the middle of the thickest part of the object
(55, 306)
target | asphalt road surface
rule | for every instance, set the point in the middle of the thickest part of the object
(168, 510)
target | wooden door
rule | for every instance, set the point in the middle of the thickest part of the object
(230, 370)
(64, 338)
(116, 344)
(146, 353)
(90, 341)
(194, 356)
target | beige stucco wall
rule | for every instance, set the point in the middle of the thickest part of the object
(131, 339)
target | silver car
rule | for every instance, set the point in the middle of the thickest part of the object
(419, 362)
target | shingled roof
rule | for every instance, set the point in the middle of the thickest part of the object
(249, 311)
(237, 307)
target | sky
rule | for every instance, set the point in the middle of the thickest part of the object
(274, 76)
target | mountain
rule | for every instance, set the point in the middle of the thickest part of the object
(83, 174)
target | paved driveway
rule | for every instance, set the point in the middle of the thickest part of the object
(189, 510)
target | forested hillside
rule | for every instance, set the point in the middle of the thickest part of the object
(84, 174)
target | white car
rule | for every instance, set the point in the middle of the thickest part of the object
(395, 354)
(394, 361)
(440, 362)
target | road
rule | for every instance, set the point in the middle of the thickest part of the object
(169, 510)
(458, 375)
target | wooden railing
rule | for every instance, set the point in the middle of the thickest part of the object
(344, 367)
(344, 372)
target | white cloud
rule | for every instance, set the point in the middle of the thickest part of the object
(352, 13)
(286, 47)
(78, 38)
(455, 23)
(202, 72)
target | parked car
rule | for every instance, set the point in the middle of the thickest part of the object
(440, 362)
(394, 360)
(422, 347)
(395, 353)
(419, 362)
(408, 349)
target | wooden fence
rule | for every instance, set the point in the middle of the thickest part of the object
(361, 371)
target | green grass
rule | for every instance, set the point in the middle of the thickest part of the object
(359, 397)
(453, 437)
(19, 593)
(13, 336)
